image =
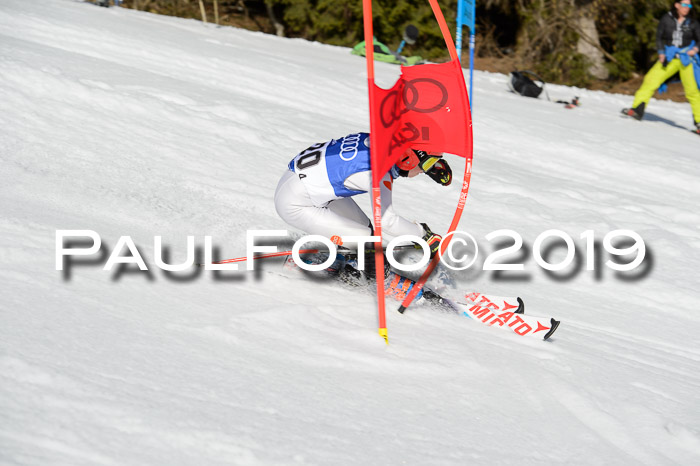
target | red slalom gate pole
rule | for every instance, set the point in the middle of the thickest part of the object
(376, 197)
(467, 170)
(443, 246)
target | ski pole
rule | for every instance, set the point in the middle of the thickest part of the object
(301, 251)
(263, 256)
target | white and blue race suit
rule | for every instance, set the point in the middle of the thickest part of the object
(315, 193)
(326, 167)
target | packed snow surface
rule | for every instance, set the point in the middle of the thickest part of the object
(133, 124)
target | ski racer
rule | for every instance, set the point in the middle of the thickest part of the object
(315, 193)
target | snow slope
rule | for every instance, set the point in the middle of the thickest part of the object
(128, 123)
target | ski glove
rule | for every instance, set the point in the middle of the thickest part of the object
(432, 239)
(435, 167)
(441, 172)
(425, 160)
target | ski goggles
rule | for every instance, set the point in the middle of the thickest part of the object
(687, 5)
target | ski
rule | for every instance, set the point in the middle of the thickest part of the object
(575, 102)
(395, 286)
(503, 312)
(499, 311)
(508, 303)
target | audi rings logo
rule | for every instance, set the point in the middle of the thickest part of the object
(422, 95)
(349, 146)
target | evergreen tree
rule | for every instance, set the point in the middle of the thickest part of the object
(543, 35)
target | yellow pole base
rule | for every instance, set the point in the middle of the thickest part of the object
(384, 333)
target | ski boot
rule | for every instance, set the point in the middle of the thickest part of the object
(318, 258)
(398, 287)
(637, 112)
(437, 301)
(349, 272)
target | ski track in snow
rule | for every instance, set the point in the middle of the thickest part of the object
(135, 124)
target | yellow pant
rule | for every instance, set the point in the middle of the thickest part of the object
(656, 77)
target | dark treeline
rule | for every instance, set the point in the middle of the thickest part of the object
(566, 41)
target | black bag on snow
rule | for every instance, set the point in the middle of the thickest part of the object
(523, 85)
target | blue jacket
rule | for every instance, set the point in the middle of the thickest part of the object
(672, 52)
